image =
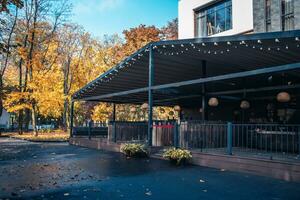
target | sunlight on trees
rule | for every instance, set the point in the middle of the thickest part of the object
(45, 59)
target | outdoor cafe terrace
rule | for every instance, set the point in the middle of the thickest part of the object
(235, 95)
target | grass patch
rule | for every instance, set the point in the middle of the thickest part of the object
(53, 136)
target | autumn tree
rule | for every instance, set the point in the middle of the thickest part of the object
(6, 46)
(136, 38)
(36, 32)
(170, 31)
(4, 4)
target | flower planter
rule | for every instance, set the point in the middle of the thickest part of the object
(180, 163)
(177, 156)
(134, 150)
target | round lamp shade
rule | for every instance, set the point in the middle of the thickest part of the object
(177, 108)
(121, 109)
(133, 109)
(245, 104)
(144, 106)
(162, 110)
(283, 97)
(214, 102)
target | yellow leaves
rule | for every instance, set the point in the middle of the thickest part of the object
(17, 101)
(47, 90)
(101, 112)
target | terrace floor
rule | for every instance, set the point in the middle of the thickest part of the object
(60, 171)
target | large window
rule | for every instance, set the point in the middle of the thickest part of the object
(287, 11)
(268, 15)
(214, 19)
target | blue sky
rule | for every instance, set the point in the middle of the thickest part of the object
(101, 17)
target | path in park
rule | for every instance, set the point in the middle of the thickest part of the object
(59, 171)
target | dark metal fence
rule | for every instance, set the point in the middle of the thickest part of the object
(272, 139)
(129, 131)
(99, 129)
(203, 136)
(268, 140)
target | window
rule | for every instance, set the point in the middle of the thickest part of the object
(287, 11)
(214, 19)
(268, 15)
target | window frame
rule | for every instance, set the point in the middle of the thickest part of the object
(202, 14)
(287, 17)
(268, 21)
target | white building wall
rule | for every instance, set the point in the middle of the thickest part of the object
(4, 119)
(242, 17)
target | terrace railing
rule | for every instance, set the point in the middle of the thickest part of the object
(92, 129)
(128, 131)
(203, 136)
(272, 140)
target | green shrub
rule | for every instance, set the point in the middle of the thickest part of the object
(134, 150)
(177, 155)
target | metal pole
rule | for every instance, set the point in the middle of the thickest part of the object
(71, 119)
(114, 112)
(229, 138)
(176, 135)
(150, 96)
(203, 91)
(89, 128)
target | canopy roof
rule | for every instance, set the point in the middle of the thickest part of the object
(232, 63)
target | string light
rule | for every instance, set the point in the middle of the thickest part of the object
(131, 61)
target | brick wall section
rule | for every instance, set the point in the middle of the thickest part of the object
(297, 13)
(259, 16)
(275, 15)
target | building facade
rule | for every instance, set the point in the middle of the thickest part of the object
(204, 18)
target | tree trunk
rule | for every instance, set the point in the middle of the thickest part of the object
(34, 117)
(66, 115)
(20, 122)
(27, 119)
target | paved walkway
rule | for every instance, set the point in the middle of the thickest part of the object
(59, 171)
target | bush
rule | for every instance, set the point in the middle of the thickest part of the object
(178, 156)
(134, 150)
